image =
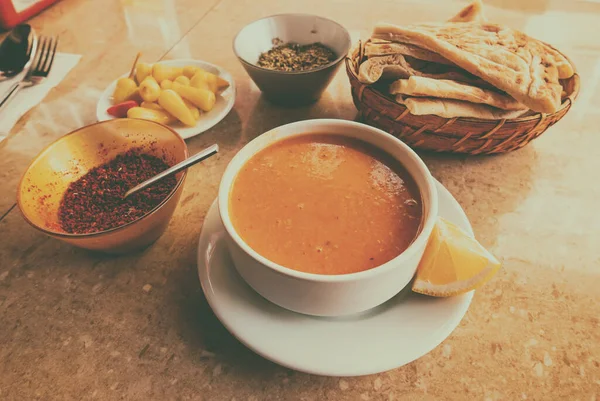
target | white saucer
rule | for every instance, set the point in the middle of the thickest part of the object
(389, 336)
(223, 106)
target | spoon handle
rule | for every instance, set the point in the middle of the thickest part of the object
(11, 94)
(190, 161)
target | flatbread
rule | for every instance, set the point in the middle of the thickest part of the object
(385, 48)
(397, 66)
(447, 89)
(377, 47)
(564, 66)
(508, 59)
(474, 13)
(471, 13)
(447, 108)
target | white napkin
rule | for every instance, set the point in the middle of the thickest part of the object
(28, 98)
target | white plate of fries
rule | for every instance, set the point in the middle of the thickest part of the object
(152, 97)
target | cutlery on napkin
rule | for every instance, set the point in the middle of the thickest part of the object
(30, 97)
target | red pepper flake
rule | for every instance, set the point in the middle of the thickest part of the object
(95, 201)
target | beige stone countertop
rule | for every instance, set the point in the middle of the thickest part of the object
(80, 326)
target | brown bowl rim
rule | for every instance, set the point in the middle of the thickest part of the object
(98, 233)
(340, 57)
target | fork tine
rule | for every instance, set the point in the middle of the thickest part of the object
(48, 49)
(52, 54)
(40, 53)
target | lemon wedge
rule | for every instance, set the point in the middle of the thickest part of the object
(453, 263)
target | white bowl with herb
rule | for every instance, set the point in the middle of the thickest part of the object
(292, 57)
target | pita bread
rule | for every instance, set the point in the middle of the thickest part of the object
(385, 48)
(474, 13)
(446, 108)
(377, 47)
(564, 66)
(397, 66)
(447, 89)
(471, 13)
(508, 59)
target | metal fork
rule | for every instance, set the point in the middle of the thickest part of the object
(38, 70)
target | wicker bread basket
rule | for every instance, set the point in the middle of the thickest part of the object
(456, 135)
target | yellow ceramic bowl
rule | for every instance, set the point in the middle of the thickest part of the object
(64, 161)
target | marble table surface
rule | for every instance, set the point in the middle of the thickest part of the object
(81, 326)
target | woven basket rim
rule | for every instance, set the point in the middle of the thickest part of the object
(569, 100)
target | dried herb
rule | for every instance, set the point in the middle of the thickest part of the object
(295, 57)
(95, 201)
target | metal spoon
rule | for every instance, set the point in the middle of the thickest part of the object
(190, 161)
(16, 51)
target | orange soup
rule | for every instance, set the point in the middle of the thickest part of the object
(325, 204)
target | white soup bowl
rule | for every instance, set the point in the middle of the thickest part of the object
(330, 295)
